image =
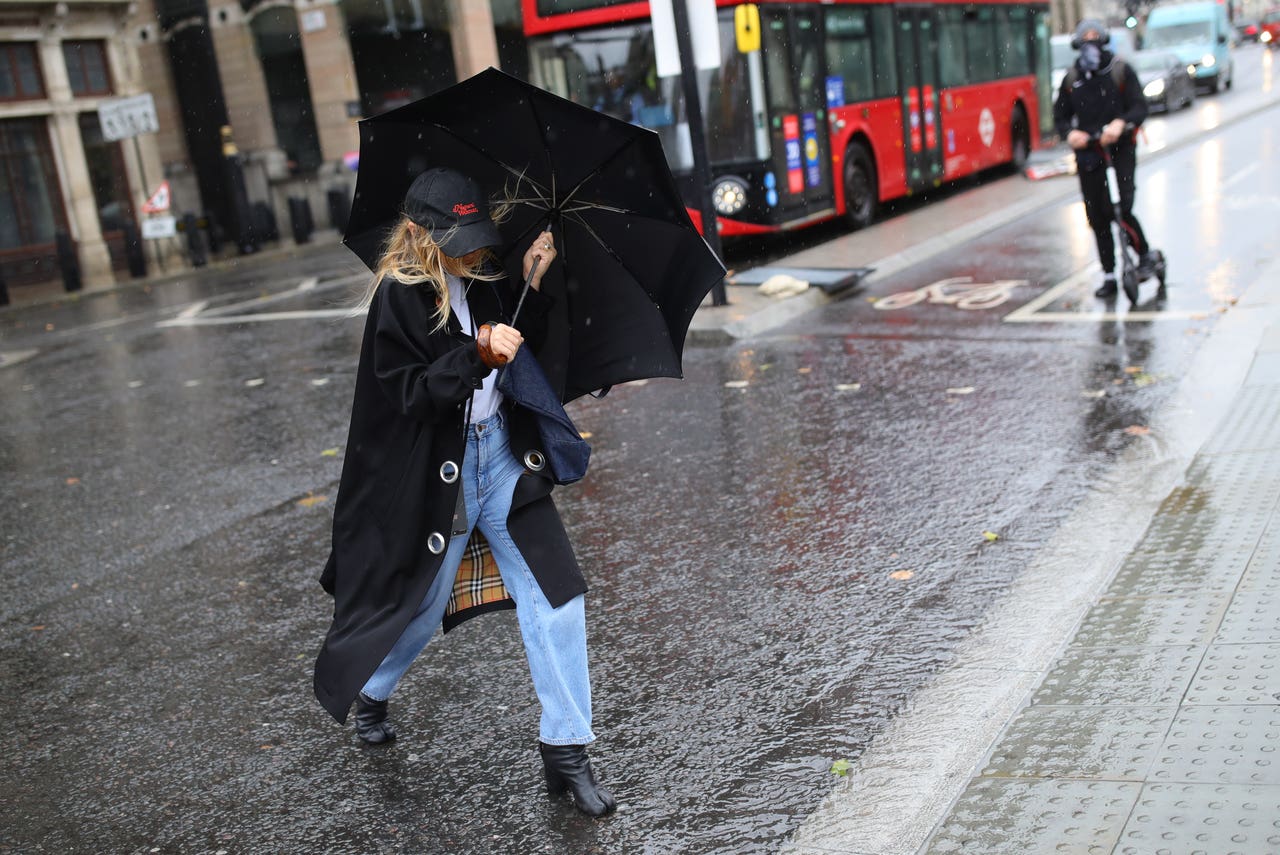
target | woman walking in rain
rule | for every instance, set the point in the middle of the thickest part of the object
(443, 479)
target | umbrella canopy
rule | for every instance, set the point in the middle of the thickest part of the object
(633, 267)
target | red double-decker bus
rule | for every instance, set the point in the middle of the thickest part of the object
(846, 104)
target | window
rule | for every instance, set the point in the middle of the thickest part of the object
(20, 72)
(28, 188)
(87, 67)
(979, 36)
(106, 175)
(886, 76)
(849, 53)
(951, 63)
(1012, 42)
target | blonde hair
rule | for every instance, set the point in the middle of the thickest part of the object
(413, 256)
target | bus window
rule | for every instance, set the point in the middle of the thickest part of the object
(951, 47)
(979, 37)
(1013, 41)
(778, 71)
(849, 53)
(886, 62)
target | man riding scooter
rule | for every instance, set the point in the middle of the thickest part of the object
(1100, 103)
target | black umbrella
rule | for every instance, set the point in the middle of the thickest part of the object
(634, 268)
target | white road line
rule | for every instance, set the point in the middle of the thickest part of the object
(259, 317)
(194, 309)
(1030, 313)
(13, 357)
(1241, 175)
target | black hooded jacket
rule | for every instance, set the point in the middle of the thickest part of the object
(1089, 100)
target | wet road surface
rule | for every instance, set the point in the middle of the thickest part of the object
(782, 547)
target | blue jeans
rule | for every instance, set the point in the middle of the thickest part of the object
(555, 640)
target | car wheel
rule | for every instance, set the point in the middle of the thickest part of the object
(859, 186)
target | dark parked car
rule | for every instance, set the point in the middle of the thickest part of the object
(1166, 80)
(1247, 31)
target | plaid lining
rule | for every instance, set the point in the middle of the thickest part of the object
(478, 582)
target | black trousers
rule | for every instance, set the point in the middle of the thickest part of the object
(1097, 204)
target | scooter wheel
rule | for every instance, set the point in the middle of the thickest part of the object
(1129, 282)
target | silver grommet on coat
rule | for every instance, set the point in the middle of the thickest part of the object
(534, 461)
(449, 472)
(435, 542)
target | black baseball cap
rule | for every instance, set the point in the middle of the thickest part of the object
(454, 209)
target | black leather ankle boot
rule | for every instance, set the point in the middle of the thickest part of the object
(568, 769)
(371, 721)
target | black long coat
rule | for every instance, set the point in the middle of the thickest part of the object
(411, 391)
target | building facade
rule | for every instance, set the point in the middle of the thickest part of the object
(256, 103)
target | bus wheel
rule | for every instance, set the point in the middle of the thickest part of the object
(1021, 142)
(859, 186)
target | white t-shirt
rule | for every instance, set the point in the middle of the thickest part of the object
(487, 399)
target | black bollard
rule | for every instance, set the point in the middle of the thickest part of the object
(213, 230)
(68, 262)
(4, 290)
(195, 242)
(264, 222)
(300, 219)
(339, 208)
(134, 250)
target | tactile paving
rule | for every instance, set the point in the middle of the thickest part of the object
(1150, 570)
(1263, 570)
(1136, 621)
(1128, 676)
(997, 815)
(1112, 743)
(1221, 745)
(1253, 422)
(1228, 484)
(1253, 617)
(1182, 819)
(1209, 531)
(1237, 674)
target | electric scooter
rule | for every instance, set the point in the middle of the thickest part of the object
(1131, 273)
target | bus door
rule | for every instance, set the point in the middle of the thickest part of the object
(921, 108)
(796, 95)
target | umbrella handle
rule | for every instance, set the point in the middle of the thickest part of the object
(528, 282)
(488, 356)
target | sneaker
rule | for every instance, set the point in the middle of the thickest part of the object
(1108, 289)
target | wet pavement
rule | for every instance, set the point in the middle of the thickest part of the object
(786, 550)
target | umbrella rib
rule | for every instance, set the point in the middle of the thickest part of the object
(599, 168)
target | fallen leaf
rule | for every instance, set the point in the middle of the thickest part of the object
(805, 370)
(960, 390)
(901, 575)
(329, 452)
(73, 481)
(1094, 393)
(1144, 379)
(75, 585)
(48, 327)
(1137, 430)
(38, 628)
(257, 381)
(766, 366)
(848, 387)
(1133, 369)
(736, 384)
(840, 767)
(585, 434)
(991, 536)
(311, 501)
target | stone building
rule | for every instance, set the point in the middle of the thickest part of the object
(256, 104)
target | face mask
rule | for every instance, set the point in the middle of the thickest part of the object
(1090, 56)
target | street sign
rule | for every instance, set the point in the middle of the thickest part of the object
(703, 30)
(122, 118)
(159, 227)
(159, 201)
